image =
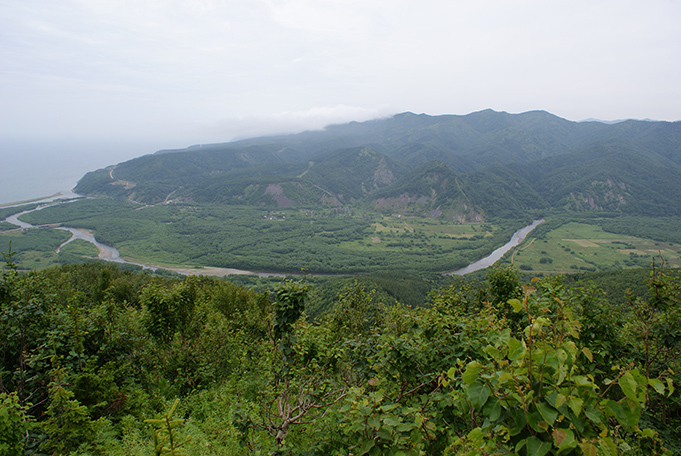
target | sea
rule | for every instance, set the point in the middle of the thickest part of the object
(37, 168)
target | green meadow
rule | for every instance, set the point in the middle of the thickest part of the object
(585, 247)
(81, 248)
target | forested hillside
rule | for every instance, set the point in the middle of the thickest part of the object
(503, 163)
(97, 360)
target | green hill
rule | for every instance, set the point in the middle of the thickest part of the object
(497, 164)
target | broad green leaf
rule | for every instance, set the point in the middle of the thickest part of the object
(534, 419)
(579, 424)
(538, 355)
(560, 400)
(628, 385)
(564, 438)
(536, 447)
(562, 373)
(365, 410)
(553, 361)
(657, 385)
(405, 427)
(647, 432)
(374, 422)
(547, 412)
(515, 349)
(588, 354)
(516, 304)
(495, 412)
(391, 421)
(571, 347)
(477, 436)
(385, 434)
(478, 395)
(505, 377)
(451, 373)
(471, 372)
(583, 381)
(608, 447)
(493, 352)
(388, 407)
(633, 412)
(366, 446)
(670, 386)
(542, 321)
(517, 421)
(575, 405)
(615, 409)
(589, 449)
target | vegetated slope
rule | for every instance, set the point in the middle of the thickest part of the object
(332, 179)
(497, 164)
(369, 373)
(502, 136)
(431, 190)
(353, 173)
(614, 177)
(153, 178)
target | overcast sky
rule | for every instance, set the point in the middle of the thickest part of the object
(190, 71)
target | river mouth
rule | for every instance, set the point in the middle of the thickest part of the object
(108, 253)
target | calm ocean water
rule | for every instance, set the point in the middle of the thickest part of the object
(37, 168)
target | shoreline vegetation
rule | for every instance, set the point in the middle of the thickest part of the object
(66, 194)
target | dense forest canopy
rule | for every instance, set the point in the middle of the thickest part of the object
(99, 360)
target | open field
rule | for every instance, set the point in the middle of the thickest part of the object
(405, 234)
(584, 247)
(33, 248)
(81, 248)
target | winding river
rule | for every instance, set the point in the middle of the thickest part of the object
(106, 252)
(109, 253)
(495, 256)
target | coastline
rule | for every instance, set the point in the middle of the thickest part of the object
(64, 194)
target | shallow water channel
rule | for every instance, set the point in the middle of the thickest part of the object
(106, 252)
(495, 256)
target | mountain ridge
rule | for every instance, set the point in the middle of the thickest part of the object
(502, 162)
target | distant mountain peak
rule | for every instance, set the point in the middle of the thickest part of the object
(607, 122)
(613, 122)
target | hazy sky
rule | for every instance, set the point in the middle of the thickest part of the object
(189, 71)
